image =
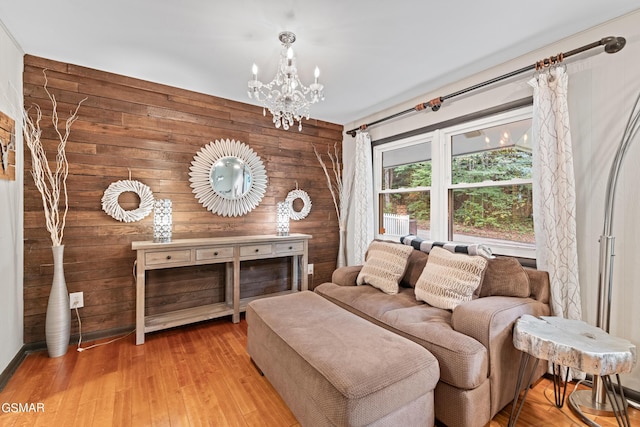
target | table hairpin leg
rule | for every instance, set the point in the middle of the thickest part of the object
(558, 387)
(524, 362)
(618, 403)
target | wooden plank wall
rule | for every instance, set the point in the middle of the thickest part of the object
(153, 131)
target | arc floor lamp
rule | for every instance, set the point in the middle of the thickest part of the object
(594, 401)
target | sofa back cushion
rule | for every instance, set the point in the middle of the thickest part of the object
(449, 279)
(505, 277)
(384, 266)
(415, 265)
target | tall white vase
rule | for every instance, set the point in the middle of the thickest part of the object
(342, 259)
(58, 321)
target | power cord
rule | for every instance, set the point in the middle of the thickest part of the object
(553, 404)
(81, 349)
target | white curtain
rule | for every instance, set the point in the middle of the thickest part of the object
(362, 193)
(554, 195)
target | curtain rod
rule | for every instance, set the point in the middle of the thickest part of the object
(611, 45)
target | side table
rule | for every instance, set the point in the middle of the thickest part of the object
(572, 344)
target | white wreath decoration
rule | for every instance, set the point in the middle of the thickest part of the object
(200, 178)
(306, 204)
(112, 207)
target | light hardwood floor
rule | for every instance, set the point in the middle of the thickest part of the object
(198, 375)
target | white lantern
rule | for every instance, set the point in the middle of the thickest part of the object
(282, 220)
(162, 221)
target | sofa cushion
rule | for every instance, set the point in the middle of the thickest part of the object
(449, 279)
(384, 267)
(505, 276)
(415, 265)
(464, 362)
(367, 300)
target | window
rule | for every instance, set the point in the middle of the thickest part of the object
(468, 183)
(405, 186)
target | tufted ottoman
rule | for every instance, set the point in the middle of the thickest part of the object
(333, 368)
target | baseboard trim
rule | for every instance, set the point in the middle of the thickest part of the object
(98, 335)
(15, 363)
(35, 347)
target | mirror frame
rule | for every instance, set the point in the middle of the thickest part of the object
(200, 178)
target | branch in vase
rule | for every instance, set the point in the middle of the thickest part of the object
(50, 184)
(339, 193)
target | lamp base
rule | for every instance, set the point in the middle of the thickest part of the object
(582, 401)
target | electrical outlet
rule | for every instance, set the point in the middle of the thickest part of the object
(309, 268)
(76, 300)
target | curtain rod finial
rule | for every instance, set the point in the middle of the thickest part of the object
(613, 44)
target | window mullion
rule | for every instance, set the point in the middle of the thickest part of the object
(439, 187)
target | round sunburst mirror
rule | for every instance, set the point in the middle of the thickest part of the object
(228, 178)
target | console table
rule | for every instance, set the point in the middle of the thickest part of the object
(229, 250)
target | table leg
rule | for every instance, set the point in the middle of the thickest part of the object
(618, 403)
(558, 387)
(295, 264)
(140, 300)
(235, 318)
(524, 362)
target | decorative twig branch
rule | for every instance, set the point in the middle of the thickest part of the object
(339, 193)
(51, 185)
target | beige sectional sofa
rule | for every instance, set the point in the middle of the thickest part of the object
(472, 343)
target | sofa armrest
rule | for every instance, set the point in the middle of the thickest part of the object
(346, 276)
(485, 319)
(490, 321)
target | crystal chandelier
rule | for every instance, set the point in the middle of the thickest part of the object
(285, 96)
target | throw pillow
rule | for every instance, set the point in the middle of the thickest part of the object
(384, 266)
(505, 277)
(449, 279)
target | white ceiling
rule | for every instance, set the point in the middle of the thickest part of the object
(372, 53)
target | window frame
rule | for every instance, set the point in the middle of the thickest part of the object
(441, 180)
(378, 178)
